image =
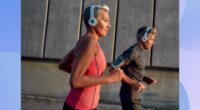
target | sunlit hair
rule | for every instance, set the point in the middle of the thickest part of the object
(86, 13)
(154, 31)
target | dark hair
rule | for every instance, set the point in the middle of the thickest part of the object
(86, 16)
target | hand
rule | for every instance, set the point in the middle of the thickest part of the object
(138, 86)
(149, 80)
(116, 75)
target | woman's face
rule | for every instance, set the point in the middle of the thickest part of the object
(103, 23)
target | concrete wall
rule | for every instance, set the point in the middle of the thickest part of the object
(43, 84)
(50, 28)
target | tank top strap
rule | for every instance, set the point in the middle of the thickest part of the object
(98, 47)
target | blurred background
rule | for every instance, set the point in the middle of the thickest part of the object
(51, 28)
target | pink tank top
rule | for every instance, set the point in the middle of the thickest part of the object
(87, 98)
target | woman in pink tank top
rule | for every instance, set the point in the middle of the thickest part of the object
(86, 62)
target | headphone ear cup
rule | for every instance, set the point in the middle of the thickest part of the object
(92, 21)
(144, 39)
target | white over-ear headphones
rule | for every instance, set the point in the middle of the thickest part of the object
(92, 21)
(145, 36)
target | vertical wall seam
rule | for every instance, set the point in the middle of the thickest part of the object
(45, 29)
(154, 13)
(115, 31)
(80, 19)
(153, 25)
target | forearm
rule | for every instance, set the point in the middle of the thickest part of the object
(128, 80)
(88, 80)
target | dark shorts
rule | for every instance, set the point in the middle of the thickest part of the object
(129, 98)
(67, 107)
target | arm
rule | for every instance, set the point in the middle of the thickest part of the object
(65, 63)
(83, 57)
(141, 66)
(136, 64)
(131, 54)
(125, 58)
(138, 86)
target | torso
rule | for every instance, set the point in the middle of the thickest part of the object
(87, 98)
(133, 69)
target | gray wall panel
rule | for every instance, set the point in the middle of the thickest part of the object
(63, 27)
(36, 104)
(132, 15)
(33, 25)
(107, 43)
(44, 79)
(166, 49)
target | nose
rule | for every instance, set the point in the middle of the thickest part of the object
(153, 42)
(109, 26)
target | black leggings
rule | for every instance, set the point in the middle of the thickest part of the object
(129, 98)
(67, 107)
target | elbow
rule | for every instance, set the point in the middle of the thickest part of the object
(60, 66)
(74, 83)
(64, 68)
(141, 67)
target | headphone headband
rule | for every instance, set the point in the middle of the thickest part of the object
(92, 21)
(148, 29)
(145, 37)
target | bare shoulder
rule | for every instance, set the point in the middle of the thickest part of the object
(89, 44)
(90, 40)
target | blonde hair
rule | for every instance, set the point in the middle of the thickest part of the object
(154, 31)
(98, 8)
(105, 7)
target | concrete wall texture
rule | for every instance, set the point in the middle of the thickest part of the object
(50, 28)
